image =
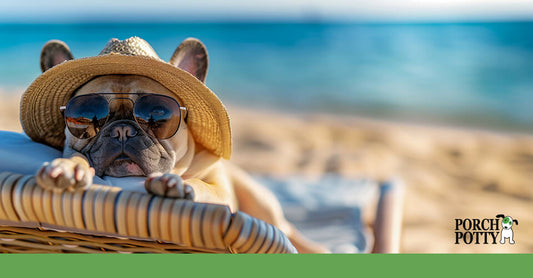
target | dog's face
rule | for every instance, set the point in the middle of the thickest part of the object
(122, 147)
(507, 222)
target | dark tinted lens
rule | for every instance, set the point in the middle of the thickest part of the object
(158, 114)
(86, 115)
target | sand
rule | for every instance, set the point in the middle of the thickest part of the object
(449, 172)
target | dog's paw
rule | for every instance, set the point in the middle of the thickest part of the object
(168, 185)
(65, 174)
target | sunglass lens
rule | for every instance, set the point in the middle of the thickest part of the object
(158, 114)
(86, 115)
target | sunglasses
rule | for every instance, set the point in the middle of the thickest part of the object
(156, 114)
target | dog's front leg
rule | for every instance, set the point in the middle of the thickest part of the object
(210, 189)
(66, 173)
(210, 192)
(168, 185)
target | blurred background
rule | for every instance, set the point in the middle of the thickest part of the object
(459, 62)
(438, 93)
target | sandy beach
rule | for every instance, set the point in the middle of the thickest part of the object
(449, 173)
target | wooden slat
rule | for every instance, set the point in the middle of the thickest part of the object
(122, 212)
(17, 198)
(27, 204)
(142, 216)
(7, 197)
(3, 177)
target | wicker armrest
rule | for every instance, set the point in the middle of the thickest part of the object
(109, 219)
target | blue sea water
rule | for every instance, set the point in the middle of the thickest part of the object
(469, 74)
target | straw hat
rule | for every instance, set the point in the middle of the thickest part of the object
(39, 108)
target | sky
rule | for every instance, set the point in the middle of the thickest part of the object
(235, 10)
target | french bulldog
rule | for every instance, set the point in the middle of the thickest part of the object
(176, 167)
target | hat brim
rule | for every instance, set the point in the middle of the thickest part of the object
(42, 121)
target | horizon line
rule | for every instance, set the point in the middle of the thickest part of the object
(272, 20)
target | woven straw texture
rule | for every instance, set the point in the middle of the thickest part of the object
(42, 121)
(108, 219)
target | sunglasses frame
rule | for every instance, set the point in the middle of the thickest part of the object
(63, 108)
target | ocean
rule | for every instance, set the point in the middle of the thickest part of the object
(464, 74)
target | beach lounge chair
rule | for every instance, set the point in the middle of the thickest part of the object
(109, 219)
(106, 218)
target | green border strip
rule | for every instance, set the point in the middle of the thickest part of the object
(216, 265)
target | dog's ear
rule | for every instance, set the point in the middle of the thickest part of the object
(515, 221)
(191, 55)
(500, 216)
(54, 53)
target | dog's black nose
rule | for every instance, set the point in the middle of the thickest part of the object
(122, 132)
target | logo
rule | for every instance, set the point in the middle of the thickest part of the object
(507, 232)
(484, 231)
